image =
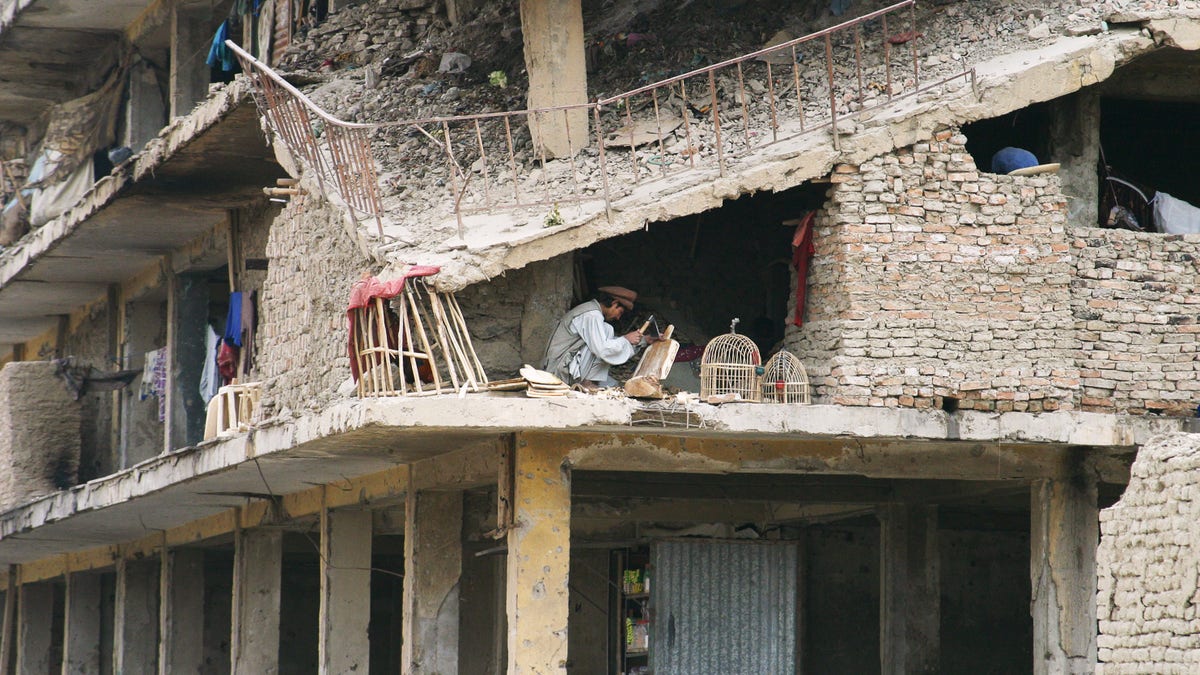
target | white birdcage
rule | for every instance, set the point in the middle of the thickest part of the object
(731, 365)
(784, 379)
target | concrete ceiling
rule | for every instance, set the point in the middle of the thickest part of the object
(57, 50)
(327, 461)
(186, 196)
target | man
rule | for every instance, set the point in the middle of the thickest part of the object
(584, 343)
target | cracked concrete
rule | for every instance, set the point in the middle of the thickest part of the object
(496, 243)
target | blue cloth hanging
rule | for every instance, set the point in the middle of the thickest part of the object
(233, 320)
(218, 53)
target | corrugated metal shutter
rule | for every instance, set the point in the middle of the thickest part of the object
(723, 608)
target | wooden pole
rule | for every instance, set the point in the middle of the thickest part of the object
(10, 609)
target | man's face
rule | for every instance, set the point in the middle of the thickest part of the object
(613, 311)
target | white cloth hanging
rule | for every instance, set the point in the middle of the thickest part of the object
(1175, 216)
(210, 380)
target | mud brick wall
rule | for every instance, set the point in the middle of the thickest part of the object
(1147, 564)
(302, 354)
(39, 433)
(933, 279)
(1135, 304)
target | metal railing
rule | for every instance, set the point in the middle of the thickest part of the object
(705, 119)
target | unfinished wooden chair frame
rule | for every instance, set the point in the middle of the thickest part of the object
(376, 356)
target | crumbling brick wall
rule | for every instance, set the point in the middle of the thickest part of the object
(39, 433)
(1148, 564)
(302, 325)
(932, 279)
(1135, 304)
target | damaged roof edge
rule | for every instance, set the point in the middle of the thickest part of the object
(1004, 84)
(319, 433)
(173, 138)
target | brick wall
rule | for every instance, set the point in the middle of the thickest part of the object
(934, 279)
(1148, 562)
(302, 336)
(1135, 306)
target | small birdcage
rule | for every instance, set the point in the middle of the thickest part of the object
(731, 366)
(784, 379)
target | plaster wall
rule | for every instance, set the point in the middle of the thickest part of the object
(88, 345)
(39, 433)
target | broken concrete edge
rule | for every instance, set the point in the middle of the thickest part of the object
(181, 132)
(1003, 85)
(496, 414)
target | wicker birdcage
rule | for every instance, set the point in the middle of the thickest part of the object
(784, 379)
(731, 365)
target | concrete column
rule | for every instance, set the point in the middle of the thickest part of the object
(1064, 535)
(257, 585)
(182, 612)
(135, 620)
(81, 625)
(35, 619)
(345, 592)
(432, 570)
(555, 61)
(191, 36)
(909, 590)
(539, 553)
(1075, 142)
(146, 112)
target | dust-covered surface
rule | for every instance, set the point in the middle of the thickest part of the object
(380, 62)
(39, 433)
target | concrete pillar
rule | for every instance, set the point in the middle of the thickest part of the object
(35, 619)
(81, 625)
(257, 584)
(141, 430)
(539, 553)
(1064, 535)
(191, 36)
(146, 112)
(343, 646)
(182, 612)
(135, 620)
(555, 61)
(909, 590)
(1075, 142)
(432, 570)
(190, 316)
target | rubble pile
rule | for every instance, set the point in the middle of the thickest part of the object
(386, 60)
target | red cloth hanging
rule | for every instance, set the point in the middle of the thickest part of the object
(365, 290)
(802, 252)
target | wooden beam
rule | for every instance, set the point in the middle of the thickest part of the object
(10, 610)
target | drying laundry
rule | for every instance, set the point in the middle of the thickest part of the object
(1175, 216)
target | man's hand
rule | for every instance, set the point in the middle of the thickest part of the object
(633, 337)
